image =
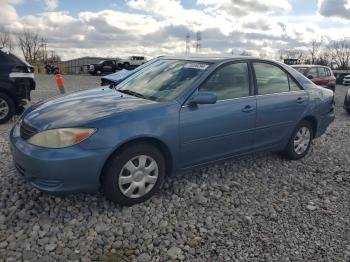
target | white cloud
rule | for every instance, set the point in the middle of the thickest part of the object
(335, 8)
(239, 8)
(7, 11)
(50, 5)
(154, 27)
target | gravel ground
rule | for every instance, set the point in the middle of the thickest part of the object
(262, 208)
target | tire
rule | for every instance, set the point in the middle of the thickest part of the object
(291, 150)
(124, 187)
(7, 108)
(126, 65)
(348, 110)
(98, 72)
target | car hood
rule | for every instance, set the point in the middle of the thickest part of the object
(120, 75)
(80, 108)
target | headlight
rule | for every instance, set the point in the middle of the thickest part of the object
(61, 137)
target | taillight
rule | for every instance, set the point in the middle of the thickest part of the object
(333, 103)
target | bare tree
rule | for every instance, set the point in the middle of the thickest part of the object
(292, 54)
(245, 53)
(32, 46)
(325, 58)
(6, 40)
(340, 53)
(315, 49)
(263, 54)
(53, 57)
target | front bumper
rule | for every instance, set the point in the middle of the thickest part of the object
(324, 123)
(67, 170)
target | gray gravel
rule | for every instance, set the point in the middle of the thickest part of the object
(262, 208)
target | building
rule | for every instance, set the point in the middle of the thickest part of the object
(78, 65)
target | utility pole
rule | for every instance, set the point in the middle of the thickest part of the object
(187, 44)
(198, 43)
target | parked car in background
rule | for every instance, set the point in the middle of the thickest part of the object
(123, 74)
(113, 65)
(103, 67)
(347, 101)
(16, 83)
(132, 62)
(50, 69)
(320, 75)
(176, 114)
(346, 80)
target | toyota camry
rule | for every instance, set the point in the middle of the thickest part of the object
(176, 114)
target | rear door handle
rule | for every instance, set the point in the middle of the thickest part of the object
(300, 100)
(247, 109)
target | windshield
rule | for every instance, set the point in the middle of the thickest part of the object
(123, 74)
(163, 79)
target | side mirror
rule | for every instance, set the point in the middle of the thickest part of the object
(204, 98)
(310, 77)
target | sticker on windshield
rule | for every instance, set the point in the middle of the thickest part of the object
(196, 66)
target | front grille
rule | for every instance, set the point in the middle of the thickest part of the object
(27, 131)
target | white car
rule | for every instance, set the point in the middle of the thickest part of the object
(132, 61)
(346, 80)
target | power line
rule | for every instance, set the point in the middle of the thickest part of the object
(188, 43)
(198, 42)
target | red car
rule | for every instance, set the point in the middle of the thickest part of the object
(320, 75)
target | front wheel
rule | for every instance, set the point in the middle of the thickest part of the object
(134, 175)
(7, 108)
(300, 141)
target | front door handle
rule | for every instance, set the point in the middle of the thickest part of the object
(300, 100)
(247, 109)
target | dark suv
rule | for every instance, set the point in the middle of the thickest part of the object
(320, 75)
(103, 67)
(16, 83)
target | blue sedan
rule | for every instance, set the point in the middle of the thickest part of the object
(171, 116)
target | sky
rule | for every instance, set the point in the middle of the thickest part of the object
(119, 28)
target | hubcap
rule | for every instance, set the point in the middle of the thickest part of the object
(138, 176)
(4, 108)
(302, 140)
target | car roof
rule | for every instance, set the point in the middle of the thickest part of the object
(213, 59)
(309, 66)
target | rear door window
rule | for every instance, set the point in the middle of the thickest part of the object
(321, 72)
(313, 72)
(270, 79)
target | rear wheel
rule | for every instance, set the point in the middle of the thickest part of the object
(126, 65)
(7, 108)
(134, 175)
(300, 141)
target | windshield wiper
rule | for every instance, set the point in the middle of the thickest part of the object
(133, 93)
